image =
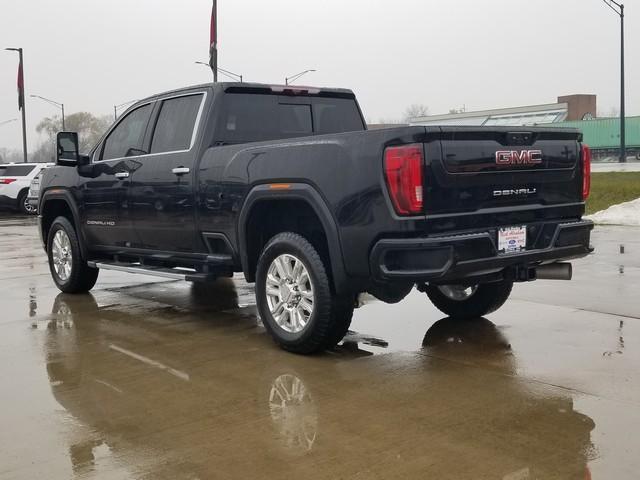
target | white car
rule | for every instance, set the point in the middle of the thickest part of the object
(15, 180)
(33, 197)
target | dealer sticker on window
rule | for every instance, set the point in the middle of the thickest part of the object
(512, 239)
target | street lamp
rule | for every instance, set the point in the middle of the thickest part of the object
(292, 78)
(227, 73)
(55, 104)
(618, 8)
(116, 107)
(21, 100)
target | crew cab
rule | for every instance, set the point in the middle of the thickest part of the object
(286, 185)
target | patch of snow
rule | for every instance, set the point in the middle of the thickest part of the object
(627, 213)
(631, 166)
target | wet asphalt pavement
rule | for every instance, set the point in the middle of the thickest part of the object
(148, 378)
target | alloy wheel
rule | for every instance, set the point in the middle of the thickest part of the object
(61, 255)
(30, 209)
(459, 293)
(290, 293)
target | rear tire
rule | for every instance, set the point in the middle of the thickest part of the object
(390, 293)
(294, 297)
(23, 206)
(69, 270)
(343, 313)
(478, 300)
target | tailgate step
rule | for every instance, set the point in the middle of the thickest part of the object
(175, 273)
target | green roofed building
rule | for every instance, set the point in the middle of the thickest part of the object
(603, 136)
(570, 111)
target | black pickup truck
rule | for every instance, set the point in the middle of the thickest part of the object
(286, 185)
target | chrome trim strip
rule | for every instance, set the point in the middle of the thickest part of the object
(194, 135)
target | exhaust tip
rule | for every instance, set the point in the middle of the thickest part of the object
(555, 271)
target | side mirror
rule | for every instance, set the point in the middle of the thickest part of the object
(67, 149)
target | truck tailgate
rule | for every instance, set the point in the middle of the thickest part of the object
(489, 168)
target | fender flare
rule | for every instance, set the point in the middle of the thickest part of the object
(308, 194)
(67, 197)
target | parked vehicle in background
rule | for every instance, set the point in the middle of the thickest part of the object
(34, 191)
(15, 180)
(287, 185)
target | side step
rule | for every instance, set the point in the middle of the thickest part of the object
(174, 273)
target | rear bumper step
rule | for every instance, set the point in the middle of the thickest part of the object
(475, 254)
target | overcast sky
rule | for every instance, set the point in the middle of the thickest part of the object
(444, 54)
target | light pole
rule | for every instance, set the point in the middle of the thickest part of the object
(116, 107)
(21, 104)
(55, 104)
(293, 78)
(619, 9)
(227, 73)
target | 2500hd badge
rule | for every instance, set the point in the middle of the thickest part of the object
(102, 223)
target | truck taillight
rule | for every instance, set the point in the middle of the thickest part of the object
(7, 181)
(586, 171)
(403, 168)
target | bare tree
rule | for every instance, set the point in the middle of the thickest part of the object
(89, 127)
(414, 111)
(390, 121)
(8, 155)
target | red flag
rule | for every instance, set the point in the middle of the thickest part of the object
(20, 87)
(213, 31)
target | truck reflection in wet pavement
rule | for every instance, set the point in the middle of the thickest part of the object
(183, 392)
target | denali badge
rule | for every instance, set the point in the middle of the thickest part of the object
(515, 192)
(524, 157)
(102, 223)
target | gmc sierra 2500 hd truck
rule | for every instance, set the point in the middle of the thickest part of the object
(287, 185)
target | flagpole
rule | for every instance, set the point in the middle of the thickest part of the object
(24, 108)
(213, 41)
(21, 102)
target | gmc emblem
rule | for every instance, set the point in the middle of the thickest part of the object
(524, 157)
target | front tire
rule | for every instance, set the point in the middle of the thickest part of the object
(467, 302)
(294, 297)
(69, 271)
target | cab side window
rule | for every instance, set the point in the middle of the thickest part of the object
(126, 139)
(176, 121)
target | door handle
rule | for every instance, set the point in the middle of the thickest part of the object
(180, 170)
(122, 175)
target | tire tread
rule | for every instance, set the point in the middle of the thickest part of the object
(488, 298)
(83, 278)
(333, 313)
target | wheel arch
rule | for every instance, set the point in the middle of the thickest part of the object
(55, 203)
(295, 192)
